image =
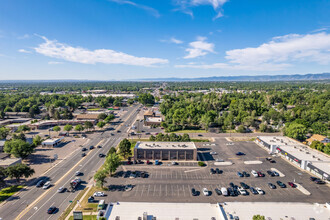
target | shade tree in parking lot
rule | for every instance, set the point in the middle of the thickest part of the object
(100, 177)
(258, 217)
(102, 116)
(112, 162)
(88, 125)
(101, 124)
(109, 118)
(18, 148)
(79, 128)
(37, 140)
(4, 132)
(18, 171)
(67, 128)
(57, 128)
(125, 148)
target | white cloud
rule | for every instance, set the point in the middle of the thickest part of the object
(152, 11)
(25, 36)
(24, 51)
(186, 5)
(54, 62)
(199, 48)
(52, 48)
(278, 54)
(172, 40)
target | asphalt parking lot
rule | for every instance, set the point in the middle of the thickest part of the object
(174, 183)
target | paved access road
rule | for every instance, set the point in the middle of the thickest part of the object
(34, 202)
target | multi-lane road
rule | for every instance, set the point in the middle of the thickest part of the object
(32, 203)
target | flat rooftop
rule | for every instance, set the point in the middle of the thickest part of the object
(52, 140)
(9, 161)
(153, 119)
(279, 140)
(165, 211)
(165, 145)
(278, 210)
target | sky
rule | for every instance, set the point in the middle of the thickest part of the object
(138, 39)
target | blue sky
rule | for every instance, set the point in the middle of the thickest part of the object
(130, 39)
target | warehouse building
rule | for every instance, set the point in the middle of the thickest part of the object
(165, 151)
(52, 142)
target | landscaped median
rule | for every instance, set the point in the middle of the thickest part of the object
(5, 193)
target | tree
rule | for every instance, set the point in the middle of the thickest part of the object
(102, 116)
(112, 162)
(19, 170)
(109, 118)
(18, 148)
(130, 101)
(19, 136)
(152, 138)
(57, 128)
(241, 129)
(327, 149)
(99, 177)
(112, 150)
(23, 128)
(37, 140)
(67, 128)
(296, 131)
(3, 176)
(185, 137)
(88, 125)
(258, 217)
(4, 132)
(125, 148)
(101, 124)
(79, 128)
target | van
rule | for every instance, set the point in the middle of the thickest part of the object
(224, 191)
(101, 205)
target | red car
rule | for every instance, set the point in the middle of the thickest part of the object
(260, 174)
(292, 184)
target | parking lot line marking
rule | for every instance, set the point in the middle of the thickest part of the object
(166, 189)
(154, 190)
(172, 193)
(160, 190)
(234, 158)
(142, 190)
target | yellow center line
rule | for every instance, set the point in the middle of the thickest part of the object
(46, 192)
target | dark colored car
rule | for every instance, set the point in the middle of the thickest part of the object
(240, 153)
(231, 192)
(218, 191)
(292, 184)
(212, 171)
(84, 149)
(270, 173)
(51, 210)
(245, 174)
(83, 154)
(272, 186)
(41, 183)
(231, 184)
(91, 147)
(253, 191)
(244, 185)
(272, 161)
(101, 155)
(144, 174)
(194, 192)
(282, 185)
(240, 174)
(218, 171)
(99, 146)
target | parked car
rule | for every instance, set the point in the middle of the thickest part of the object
(245, 174)
(91, 147)
(51, 210)
(242, 191)
(101, 155)
(254, 173)
(174, 163)
(132, 176)
(224, 191)
(231, 191)
(292, 184)
(260, 174)
(206, 192)
(218, 191)
(240, 174)
(276, 173)
(98, 194)
(212, 171)
(260, 191)
(240, 153)
(270, 173)
(129, 187)
(244, 185)
(218, 171)
(47, 185)
(253, 191)
(282, 185)
(213, 153)
(157, 162)
(272, 186)
(83, 149)
(99, 146)
(194, 192)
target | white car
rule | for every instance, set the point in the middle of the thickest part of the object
(254, 173)
(61, 189)
(78, 173)
(47, 185)
(224, 191)
(230, 143)
(98, 194)
(132, 176)
(213, 153)
(260, 191)
(242, 191)
(205, 192)
(219, 160)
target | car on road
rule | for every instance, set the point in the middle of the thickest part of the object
(206, 192)
(98, 194)
(147, 133)
(213, 153)
(194, 192)
(200, 135)
(240, 153)
(61, 189)
(218, 191)
(47, 185)
(240, 174)
(128, 187)
(254, 173)
(224, 191)
(292, 184)
(101, 155)
(83, 149)
(253, 191)
(99, 146)
(78, 173)
(282, 185)
(41, 183)
(272, 186)
(83, 154)
(51, 210)
(260, 191)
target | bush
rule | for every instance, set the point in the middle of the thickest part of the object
(201, 164)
